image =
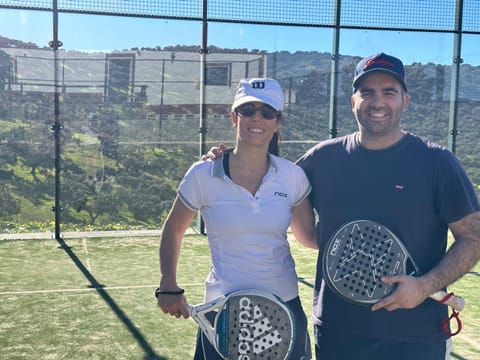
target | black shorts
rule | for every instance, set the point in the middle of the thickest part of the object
(334, 345)
(301, 350)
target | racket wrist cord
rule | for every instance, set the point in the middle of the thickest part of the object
(446, 321)
(167, 292)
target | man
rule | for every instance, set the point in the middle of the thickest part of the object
(413, 187)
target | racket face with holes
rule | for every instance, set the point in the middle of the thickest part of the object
(254, 325)
(358, 255)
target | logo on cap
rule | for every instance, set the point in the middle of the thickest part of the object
(258, 85)
(375, 61)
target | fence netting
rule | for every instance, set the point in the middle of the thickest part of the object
(431, 15)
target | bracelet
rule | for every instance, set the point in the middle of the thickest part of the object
(166, 292)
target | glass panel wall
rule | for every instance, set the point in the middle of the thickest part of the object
(133, 116)
(140, 98)
(428, 75)
(468, 140)
(27, 174)
(301, 66)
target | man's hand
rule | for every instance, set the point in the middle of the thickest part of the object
(410, 292)
(215, 152)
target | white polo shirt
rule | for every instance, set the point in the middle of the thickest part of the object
(247, 233)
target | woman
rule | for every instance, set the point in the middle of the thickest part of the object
(248, 198)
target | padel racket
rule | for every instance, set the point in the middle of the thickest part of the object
(363, 251)
(249, 324)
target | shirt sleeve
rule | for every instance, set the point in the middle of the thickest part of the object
(455, 195)
(189, 190)
(301, 184)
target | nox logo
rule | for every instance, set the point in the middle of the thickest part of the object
(258, 85)
(335, 245)
(281, 194)
(256, 333)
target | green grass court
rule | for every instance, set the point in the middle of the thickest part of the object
(92, 298)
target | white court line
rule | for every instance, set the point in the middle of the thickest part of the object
(31, 292)
(88, 289)
(88, 234)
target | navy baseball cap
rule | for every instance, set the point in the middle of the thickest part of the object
(380, 62)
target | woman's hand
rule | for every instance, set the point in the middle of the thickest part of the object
(173, 304)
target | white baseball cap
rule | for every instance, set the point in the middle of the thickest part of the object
(265, 90)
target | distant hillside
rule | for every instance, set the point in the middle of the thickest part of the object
(121, 160)
(12, 43)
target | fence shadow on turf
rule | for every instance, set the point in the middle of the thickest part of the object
(305, 282)
(139, 337)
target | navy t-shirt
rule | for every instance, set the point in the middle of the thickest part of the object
(414, 188)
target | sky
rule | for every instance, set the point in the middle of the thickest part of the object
(107, 33)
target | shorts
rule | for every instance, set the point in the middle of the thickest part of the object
(302, 348)
(335, 345)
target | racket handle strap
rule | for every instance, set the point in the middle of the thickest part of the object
(456, 302)
(455, 315)
(445, 298)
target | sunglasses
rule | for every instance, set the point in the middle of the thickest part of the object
(249, 109)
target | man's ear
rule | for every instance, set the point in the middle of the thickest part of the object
(406, 100)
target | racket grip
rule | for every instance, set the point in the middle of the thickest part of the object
(456, 302)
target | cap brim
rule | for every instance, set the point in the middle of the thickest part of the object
(247, 99)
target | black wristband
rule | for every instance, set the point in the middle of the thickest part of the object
(165, 292)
